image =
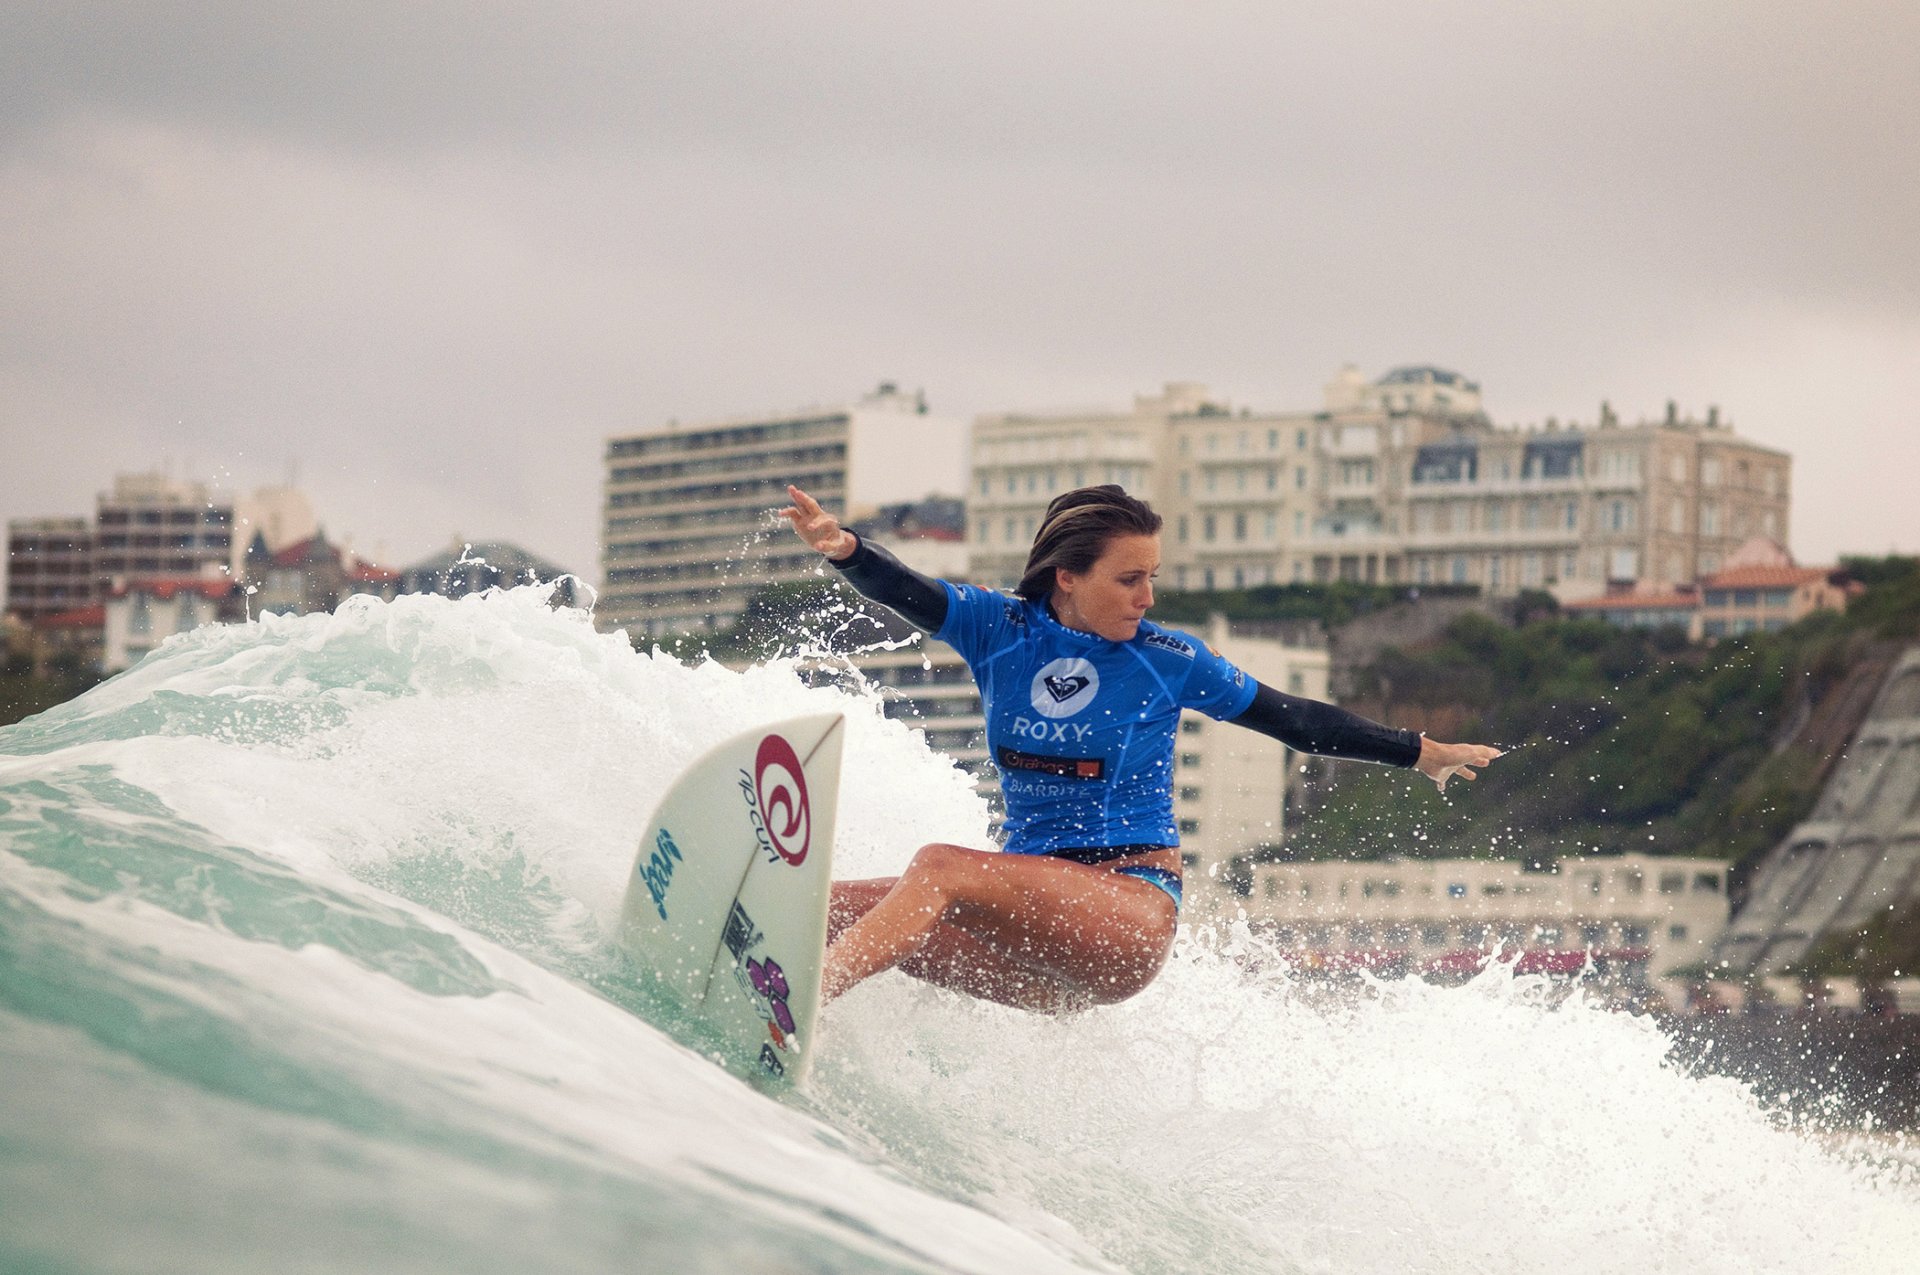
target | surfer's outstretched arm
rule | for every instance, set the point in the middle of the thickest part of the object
(1326, 730)
(921, 600)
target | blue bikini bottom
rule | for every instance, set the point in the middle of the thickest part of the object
(1165, 878)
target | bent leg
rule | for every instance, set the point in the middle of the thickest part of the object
(1043, 932)
(950, 957)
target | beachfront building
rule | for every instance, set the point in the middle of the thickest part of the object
(141, 614)
(153, 527)
(1642, 917)
(1760, 590)
(49, 567)
(1398, 480)
(687, 534)
(1572, 508)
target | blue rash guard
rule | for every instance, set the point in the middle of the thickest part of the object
(1082, 728)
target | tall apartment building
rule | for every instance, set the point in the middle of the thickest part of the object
(1401, 480)
(687, 535)
(152, 527)
(49, 567)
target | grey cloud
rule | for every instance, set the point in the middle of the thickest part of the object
(456, 244)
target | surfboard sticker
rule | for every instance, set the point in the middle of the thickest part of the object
(727, 901)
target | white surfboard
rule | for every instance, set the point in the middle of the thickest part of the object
(727, 902)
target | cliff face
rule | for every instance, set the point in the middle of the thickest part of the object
(1856, 858)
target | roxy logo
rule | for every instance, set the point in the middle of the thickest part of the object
(776, 798)
(1063, 687)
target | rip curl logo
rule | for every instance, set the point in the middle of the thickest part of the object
(776, 799)
(1063, 687)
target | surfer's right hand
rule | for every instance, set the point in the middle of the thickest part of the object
(818, 527)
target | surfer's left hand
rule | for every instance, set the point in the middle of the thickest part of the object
(1441, 762)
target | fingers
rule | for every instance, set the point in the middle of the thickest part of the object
(802, 502)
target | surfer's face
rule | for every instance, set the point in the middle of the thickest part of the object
(1112, 596)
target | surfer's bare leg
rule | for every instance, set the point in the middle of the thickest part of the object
(1063, 932)
(950, 957)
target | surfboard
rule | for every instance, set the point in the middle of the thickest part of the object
(727, 901)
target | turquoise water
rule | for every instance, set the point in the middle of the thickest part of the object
(304, 966)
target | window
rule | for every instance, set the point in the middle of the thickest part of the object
(1673, 882)
(1189, 827)
(1296, 684)
(1190, 725)
(1189, 793)
(1190, 761)
(1676, 932)
(1300, 479)
(1706, 883)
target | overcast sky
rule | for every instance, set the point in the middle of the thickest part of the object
(434, 253)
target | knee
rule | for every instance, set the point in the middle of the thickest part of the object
(939, 860)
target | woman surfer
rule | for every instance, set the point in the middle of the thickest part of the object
(1083, 697)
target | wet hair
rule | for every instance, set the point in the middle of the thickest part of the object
(1076, 531)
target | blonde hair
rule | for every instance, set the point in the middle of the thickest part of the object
(1077, 529)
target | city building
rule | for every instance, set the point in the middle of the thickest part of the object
(688, 534)
(278, 517)
(1642, 917)
(1571, 508)
(75, 638)
(1401, 480)
(49, 567)
(141, 614)
(151, 526)
(1761, 590)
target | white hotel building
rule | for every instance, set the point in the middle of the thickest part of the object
(687, 533)
(1644, 916)
(1402, 480)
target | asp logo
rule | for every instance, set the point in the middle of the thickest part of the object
(776, 799)
(1064, 686)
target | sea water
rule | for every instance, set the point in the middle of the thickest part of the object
(306, 965)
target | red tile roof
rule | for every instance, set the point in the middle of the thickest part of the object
(296, 554)
(372, 574)
(79, 618)
(1636, 602)
(1766, 577)
(172, 586)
